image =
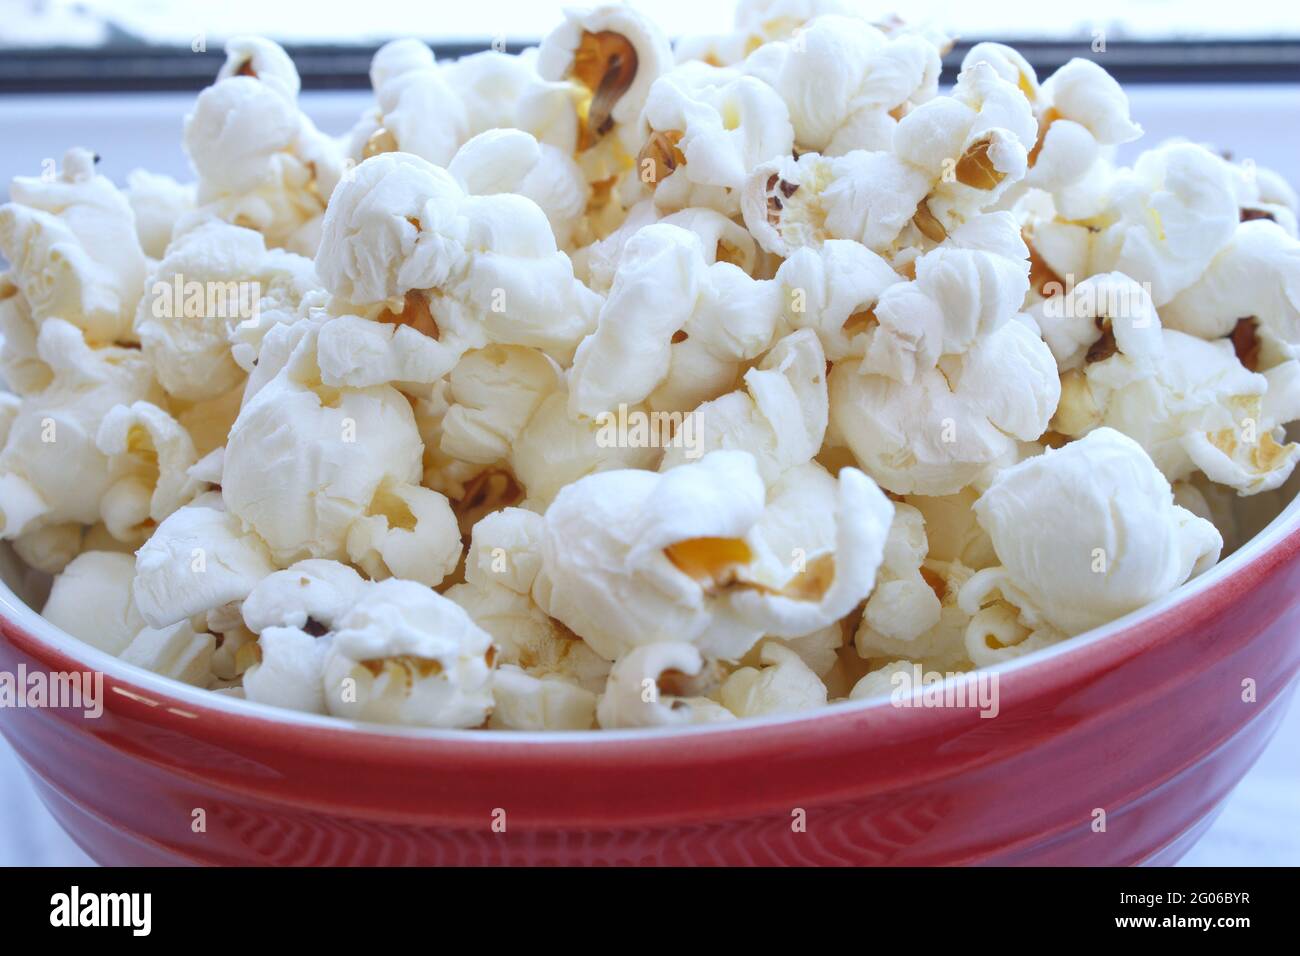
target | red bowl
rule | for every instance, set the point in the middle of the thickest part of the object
(1147, 720)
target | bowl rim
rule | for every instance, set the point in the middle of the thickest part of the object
(1045, 664)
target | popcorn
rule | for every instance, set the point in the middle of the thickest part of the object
(914, 611)
(292, 612)
(260, 162)
(783, 686)
(465, 271)
(288, 670)
(441, 472)
(512, 161)
(222, 619)
(419, 113)
(263, 60)
(560, 392)
(1009, 64)
(1263, 194)
(660, 684)
(1085, 200)
(937, 434)
(237, 650)
(1101, 315)
(154, 454)
(507, 429)
(951, 530)
(938, 640)
(522, 702)
(1256, 275)
(834, 290)
(964, 290)
(1192, 406)
(91, 600)
(869, 197)
(1118, 544)
(10, 408)
(721, 240)
(958, 131)
(1083, 92)
(305, 461)
(1169, 215)
(353, 352)
(409, 532)
(73, 249)
(501, 569)
(756, 22)
(903, 604)
(49, 549)
(780, 419)
(1000, 632)
(664, 289)
(842, 78)
(22, 369)
(208, 423)
(158, 202)
(369, 237)
(248, 336)
(1080, 109)
(405, 654)
(239, 129)
(704, 131)
(213, 277)
(309, 595)
(97, 538)
(51, 469)
(611, 56)
(494, 394)
(882, 682)
(556, 449)
(506, 550)
(176, 651)
(501, 91)
(1273, 189)
(653, 296)
(703, 554)
(973, 146)
(198, 559)
(819, 650)
(432, 109)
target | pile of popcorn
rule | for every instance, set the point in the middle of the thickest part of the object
(331, 428)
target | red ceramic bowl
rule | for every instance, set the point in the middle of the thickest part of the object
(1144, 719)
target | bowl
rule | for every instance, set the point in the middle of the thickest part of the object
(1116, 747)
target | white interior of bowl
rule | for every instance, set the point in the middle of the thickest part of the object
(14, 576)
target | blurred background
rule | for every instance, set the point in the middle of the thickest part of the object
(90, 23)
(118, 76)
